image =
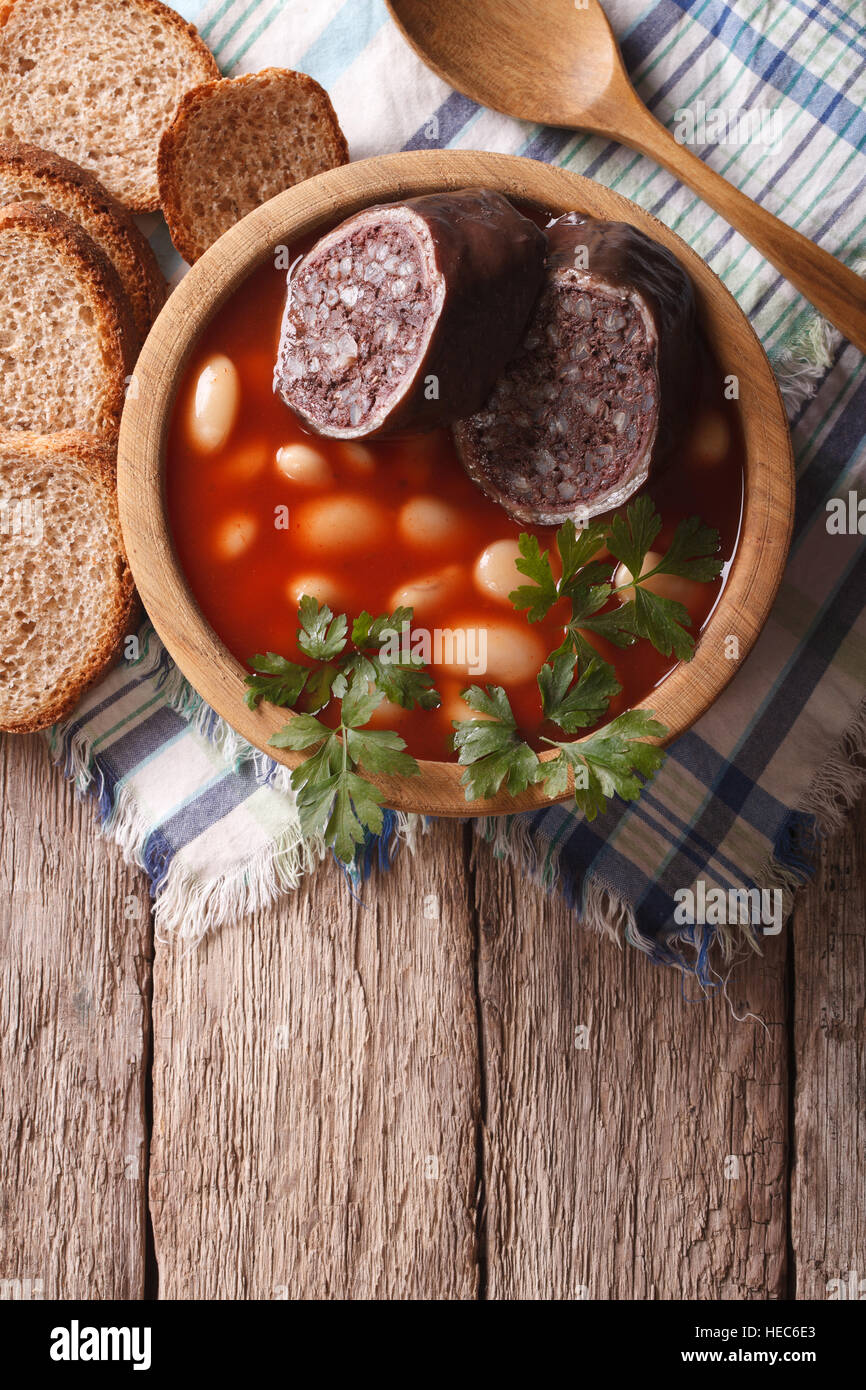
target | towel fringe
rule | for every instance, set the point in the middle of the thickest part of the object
(179, 695)
(802, 362)
(800, 366)
(840, 780)
(699, 950)
(187, 909)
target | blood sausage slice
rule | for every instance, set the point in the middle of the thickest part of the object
(601, 384)
(402, 318)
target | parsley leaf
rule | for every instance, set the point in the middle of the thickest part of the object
(576, 551)
(574, 706)
(342, 808)
(316, 800)
(360, 702)
(405, 684)
(322, 636)
(491, 750)
(692, 552)
(319, 687)
(610, 762)
(277, 680)
(539, 596)
(381, 750)
(368, 631)
(631, 535)
(357, 808)
(332, 799)
(662, 621)
(615, 626)
(301, 732)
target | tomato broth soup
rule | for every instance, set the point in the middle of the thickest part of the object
(262, 511)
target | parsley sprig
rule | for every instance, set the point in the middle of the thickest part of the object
(494, 754)
(347, 666)
(588, 582)
(491, 748)
(333, 799)
(576, 684)
(338, 655)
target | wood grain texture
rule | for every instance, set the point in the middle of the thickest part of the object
(316, 1094)
(324, 201)
(828, 1188)
(557, 63)
(605, 1169)
(310, 1063)
(74, 986)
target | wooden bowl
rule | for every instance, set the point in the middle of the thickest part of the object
(323, 201)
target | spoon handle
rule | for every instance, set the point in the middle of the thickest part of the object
(831, 286)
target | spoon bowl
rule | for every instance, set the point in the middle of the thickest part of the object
(556, 62)
(500, 63)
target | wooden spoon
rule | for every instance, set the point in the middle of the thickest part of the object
(556, 62)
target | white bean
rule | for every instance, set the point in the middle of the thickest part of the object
(426, 595)
(495, 651)
(514, 654)
(215, 403)
(358, 458)
(428, 523)
(318, 586)
(235, 535)
(343, 525)
(711, 439)
(495, 573)
(301, 464)
(248, 461)
(387, 715)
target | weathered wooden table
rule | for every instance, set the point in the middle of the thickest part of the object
(349, 1100)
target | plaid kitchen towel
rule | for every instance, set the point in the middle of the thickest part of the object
(741, 797)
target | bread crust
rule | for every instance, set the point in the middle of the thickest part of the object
(183, 30)
(110, 304)
(102, 214)
(170, 170)
(97, 457)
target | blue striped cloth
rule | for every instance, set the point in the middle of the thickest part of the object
(743, 795)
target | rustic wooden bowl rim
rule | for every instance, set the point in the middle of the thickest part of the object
(208, 665)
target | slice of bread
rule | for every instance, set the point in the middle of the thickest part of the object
(30, 175)
(66, 591)
(236, 143)
(67, 337)
(98, 81)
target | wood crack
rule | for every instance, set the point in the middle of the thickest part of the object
(481, 1122)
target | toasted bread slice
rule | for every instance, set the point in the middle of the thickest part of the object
(236, 143)
(66, 591)
(67, 337)
(30, 175)
(98, 81)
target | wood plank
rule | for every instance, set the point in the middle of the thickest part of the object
(828, 1210)
(316, 1096)
(606, 1165)
(74, 987)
